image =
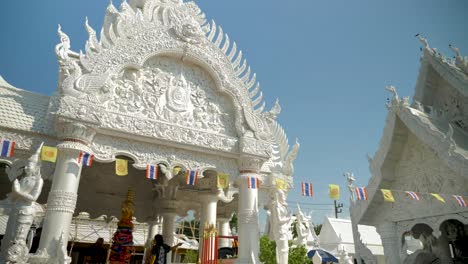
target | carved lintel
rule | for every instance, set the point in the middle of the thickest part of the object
(249, 164)
(62, 201)
(255, 147)
(75, 132)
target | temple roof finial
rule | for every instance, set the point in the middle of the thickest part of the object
(423, 40)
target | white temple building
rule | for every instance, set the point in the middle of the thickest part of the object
(424, 149)
(336, 236)
(158, 85)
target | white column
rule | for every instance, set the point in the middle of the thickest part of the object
(62, 200)
(62, 197)
(207, 216)
(223, 230)
(249, 246)
(388, 234)
(168, 231)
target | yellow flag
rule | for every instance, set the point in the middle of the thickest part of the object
(438, 197)
(176, 170)
(281, 184)
(334, 191)
(49, 153)
(223, 180)
(387, 195)
(121, 167)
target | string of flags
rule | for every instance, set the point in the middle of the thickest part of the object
(7, 148)
(361, 194)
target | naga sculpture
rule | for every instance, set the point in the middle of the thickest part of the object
(22, 198)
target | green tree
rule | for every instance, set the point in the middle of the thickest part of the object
(191, 256)
(293, 229)
(233, 222)
(267, 250)
(297, 255)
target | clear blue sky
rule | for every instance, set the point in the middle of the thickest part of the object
(327, 61)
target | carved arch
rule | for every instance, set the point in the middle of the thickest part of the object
(220, 83)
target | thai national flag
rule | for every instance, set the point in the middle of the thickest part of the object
(191, 177)
(252, 182)
(7, 148)
(152, 172)
(361, 193)
(413, 195)
(307, 189)
(85, 159)
(460, 200)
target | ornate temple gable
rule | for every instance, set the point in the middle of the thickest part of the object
(421, 170)
(442, 86)
(137, 33)
(414, 166)
(445, 143)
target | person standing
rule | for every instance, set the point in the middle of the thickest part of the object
(160, 250)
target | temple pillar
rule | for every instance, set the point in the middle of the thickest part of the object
(62, 197)
(168, 230)
(389, 235)
(223, 230)
(208, 215)
(249, 245)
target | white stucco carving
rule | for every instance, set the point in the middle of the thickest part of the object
(306, 235)
(23, 200)
(279, 224)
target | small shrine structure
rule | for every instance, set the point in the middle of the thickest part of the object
(423, 160)
(158, 85)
